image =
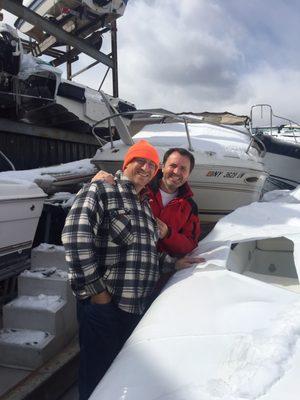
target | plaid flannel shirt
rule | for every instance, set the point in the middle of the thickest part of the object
(110, 238)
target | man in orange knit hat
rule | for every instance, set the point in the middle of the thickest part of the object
(110, 238)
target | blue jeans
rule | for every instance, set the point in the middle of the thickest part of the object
(103, 329)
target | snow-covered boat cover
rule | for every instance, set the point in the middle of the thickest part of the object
(215, 334)
(277, 215)
(46, 175)
(14, 189)
(205, 137)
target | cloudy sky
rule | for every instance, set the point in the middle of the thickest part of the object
(208, 55)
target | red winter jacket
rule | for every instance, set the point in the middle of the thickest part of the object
(180, 215)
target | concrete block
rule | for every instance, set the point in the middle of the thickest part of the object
(48, 281)
(27, 349)
(48, 255)
(45, 313)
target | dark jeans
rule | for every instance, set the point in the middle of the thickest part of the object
(103, 329)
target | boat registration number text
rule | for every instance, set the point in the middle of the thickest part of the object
(225, 174)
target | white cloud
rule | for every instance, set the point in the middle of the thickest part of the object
(199, 55)
(277, 87)
(170, 50)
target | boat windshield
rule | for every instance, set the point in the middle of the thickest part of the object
(141, 118)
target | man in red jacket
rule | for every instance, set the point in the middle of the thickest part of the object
(172, 204)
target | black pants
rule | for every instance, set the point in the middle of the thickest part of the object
(103, 329)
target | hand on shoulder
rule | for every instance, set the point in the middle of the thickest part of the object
(104, 177)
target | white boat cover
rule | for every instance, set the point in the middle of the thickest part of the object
(13, 189)
(46, 177)
(205, 137)
(215, 334)
(276, 216)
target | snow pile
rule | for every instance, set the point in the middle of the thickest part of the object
(24, 336)
(46, 257)
(49, 248)
(42, 273)
(40, 302)
(64, 199)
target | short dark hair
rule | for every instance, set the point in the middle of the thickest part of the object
(182, 152)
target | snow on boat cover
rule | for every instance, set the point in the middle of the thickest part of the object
(218, 334)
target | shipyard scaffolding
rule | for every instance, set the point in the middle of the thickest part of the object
(66, 30)
(65, 108)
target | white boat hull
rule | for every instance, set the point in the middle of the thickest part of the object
(20, 209)
(215, 196)
(282, 159)
(221, 181)
(78, 108)
(219, 196)
(284, 171)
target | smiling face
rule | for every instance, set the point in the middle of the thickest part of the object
(176, 172)
(140, 171)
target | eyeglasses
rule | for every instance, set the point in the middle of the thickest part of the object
(143, 161)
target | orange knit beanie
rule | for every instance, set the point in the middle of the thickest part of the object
(142, 149)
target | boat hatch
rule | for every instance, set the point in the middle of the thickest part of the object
(268, 260)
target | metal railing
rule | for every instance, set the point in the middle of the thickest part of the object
(160, 117)
(126, 133)
(271, 116)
